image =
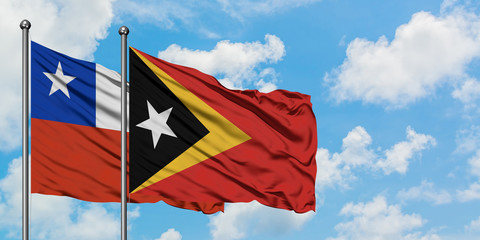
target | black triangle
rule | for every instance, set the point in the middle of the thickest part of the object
(145, 160)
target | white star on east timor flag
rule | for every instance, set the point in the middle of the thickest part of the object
(59, 81)
(157, 123)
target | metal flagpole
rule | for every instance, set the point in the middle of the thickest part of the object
(25, 26)
(123, 31)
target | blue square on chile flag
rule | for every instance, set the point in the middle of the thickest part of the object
(63, 88)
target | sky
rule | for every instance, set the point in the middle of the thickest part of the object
(395, 88)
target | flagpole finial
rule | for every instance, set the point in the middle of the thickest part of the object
(123, 30)
(26, 24)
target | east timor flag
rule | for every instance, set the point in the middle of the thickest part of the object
(193, 140)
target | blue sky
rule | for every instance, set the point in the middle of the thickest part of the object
(395, 89)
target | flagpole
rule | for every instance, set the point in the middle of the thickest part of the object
(25, 26)
(123, 31)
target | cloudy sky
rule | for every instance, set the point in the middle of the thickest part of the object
(395, 88)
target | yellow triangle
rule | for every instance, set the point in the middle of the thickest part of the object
(223, 134)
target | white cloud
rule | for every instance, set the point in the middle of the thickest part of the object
(354, 146)
(447, 5)
(170, 234)
(53, 217)
(331, 171)
(11, 197)
(378, 220)
(473, 192)
(470, 194)
(474, 226)
(133, 213)
(193, 15)
(76, 222)
(238, 63)
(337, 168)
(425, 192)
(420, 236)
(243, 8)
(169, 14)
(239, 220)
(342, 43)
(468, 93)
(468, 140)
(397, 157)
(474, 163)
(426, 52)
(72, 27)
(163, 13)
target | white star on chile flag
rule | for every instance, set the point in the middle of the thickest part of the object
(59, 81)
